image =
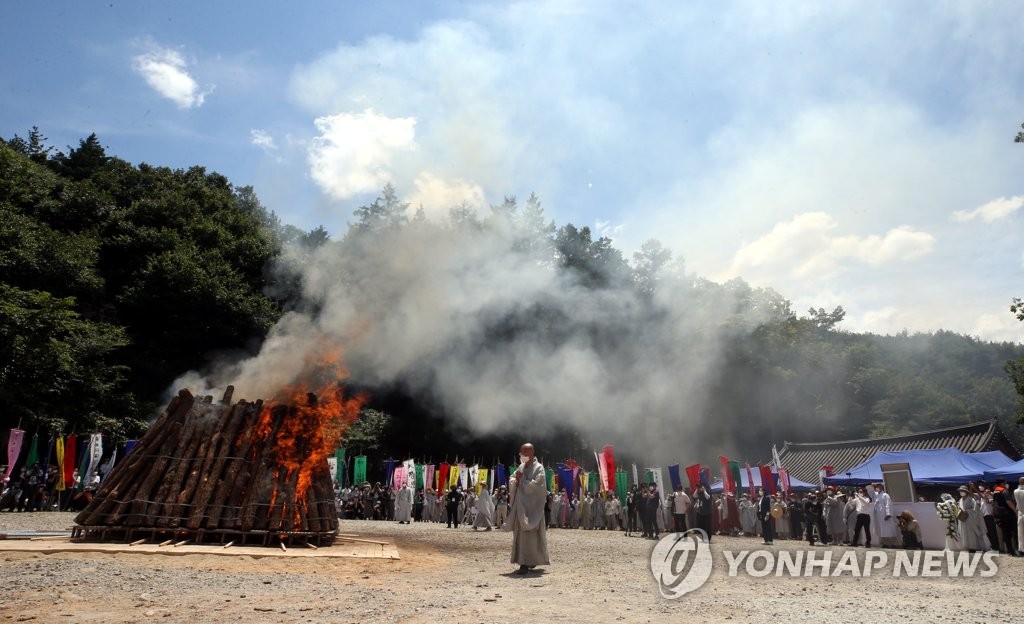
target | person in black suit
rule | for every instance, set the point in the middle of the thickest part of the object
(764, 514)
(452, 500)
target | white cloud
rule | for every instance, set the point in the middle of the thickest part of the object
(354, 153)
(999, 325)
(166, 72)
(994, 210)
(437, 196)
(805, 247)
(262, 140)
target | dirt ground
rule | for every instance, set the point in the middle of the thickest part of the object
(465, 576)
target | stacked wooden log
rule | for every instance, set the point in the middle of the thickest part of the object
(208, 468)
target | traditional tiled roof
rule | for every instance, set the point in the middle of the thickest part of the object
(805, 459)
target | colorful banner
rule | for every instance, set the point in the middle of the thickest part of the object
(389, 469)
(602, 467)
(418, 484)
(442, 478)
(69, 461)
(750, 484)
(609, 467)
(359, 470)
(705, 478)
(621, 486)
(767, 480)
(784, 480)
(482, 482)
(501, 478)
(128, 446)
(673, 476)
(728, 485)
(658, 480)
(339, 466)
(453, 475)
(737, 479)
(428, 477)
(61, 483)
(550, 474)
(693, 475)
(92, 461)
(410, 473)
(564, 474)
(46, 457)
(463, 477)
(13, 451)
(33, 452)
(398, 478)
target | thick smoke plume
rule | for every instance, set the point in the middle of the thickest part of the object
(507, 329)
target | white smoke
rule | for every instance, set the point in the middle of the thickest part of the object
(479, 317)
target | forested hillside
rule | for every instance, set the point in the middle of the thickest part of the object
(117, 278)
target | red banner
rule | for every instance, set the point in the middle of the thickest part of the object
(728, 485)
(609, 466)
(693, 475)
(750, 484)
(442, 478)
(784, 480)
(767, 480)
(70, 454)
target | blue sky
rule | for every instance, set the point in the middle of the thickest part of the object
(854, 154)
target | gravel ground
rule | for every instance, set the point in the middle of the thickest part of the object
(464, 576)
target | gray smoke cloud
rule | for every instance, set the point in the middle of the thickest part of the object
(479, 317)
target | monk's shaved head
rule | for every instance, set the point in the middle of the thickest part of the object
(527, 449)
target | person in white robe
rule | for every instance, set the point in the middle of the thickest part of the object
(972, 529)
(484, 510)
(500, 506)
(585, 506)
(850, 517)
(556, 510)
(526, 516)
(429, 500)
(835, 522)
(1018, 499)
(403, 505)
(748, 516)
(884, 523)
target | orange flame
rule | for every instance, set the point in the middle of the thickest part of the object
(318, 414)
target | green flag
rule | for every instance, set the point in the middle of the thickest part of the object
(33, 452)
(359, 470)
(734, 470)
(621, 485)
(339, 470)
(550, 474)
(419, 476)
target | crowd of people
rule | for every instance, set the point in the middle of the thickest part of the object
(32, 490)
(981, 517)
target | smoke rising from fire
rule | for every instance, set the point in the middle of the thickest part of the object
(483, 317)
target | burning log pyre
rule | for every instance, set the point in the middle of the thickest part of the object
(247, 472)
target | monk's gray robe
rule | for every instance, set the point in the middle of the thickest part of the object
(529, 532)
(484, 510)
(403, 505)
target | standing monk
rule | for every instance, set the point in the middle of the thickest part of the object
(526, 517)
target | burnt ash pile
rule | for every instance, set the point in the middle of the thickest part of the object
(210, 472)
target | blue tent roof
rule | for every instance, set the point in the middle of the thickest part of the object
(794, 483)
(945, 466)
(1008, 472)
(992, 459)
